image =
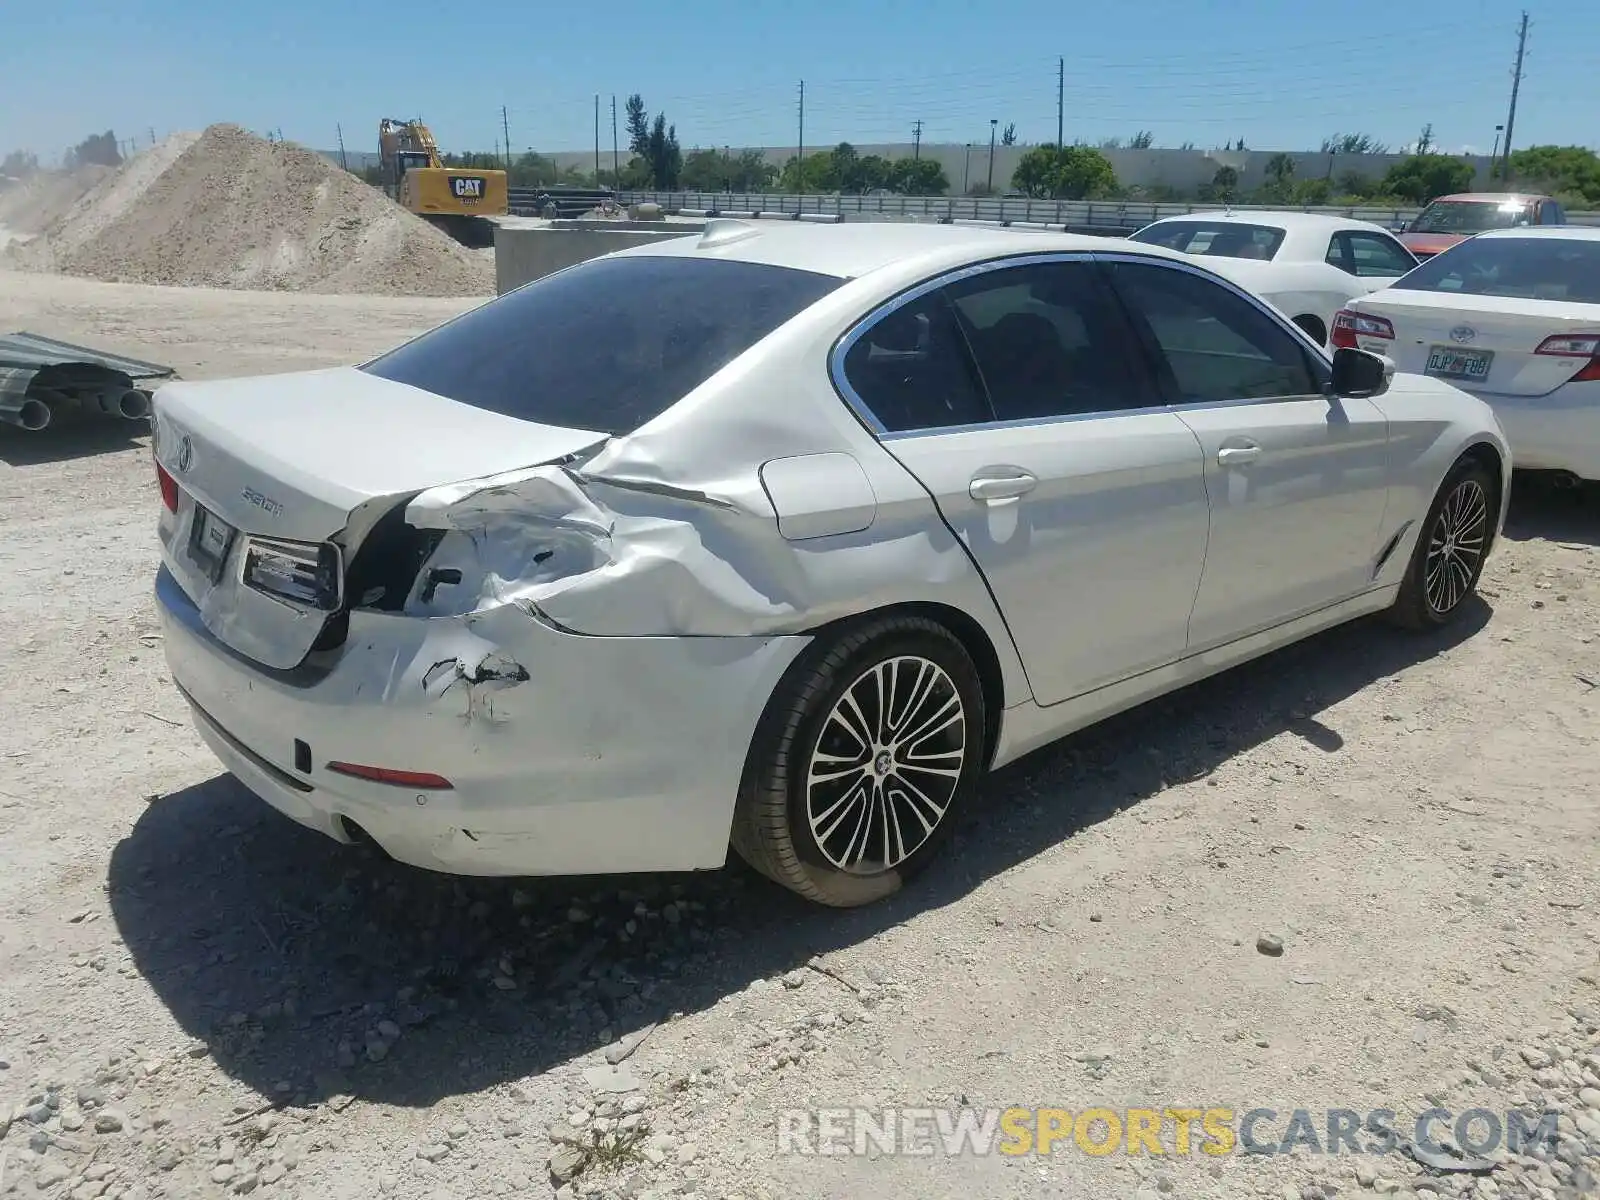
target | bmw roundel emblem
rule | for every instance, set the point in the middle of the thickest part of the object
(185, 453)
(1463, 334)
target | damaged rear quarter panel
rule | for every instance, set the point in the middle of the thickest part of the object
(669, 531)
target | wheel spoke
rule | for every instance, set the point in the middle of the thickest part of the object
(1455, 547)
(888, 760)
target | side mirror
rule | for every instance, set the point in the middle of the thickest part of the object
(1360, 375)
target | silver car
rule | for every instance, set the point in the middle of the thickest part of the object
(781, 535)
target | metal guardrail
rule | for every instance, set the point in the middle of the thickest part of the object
(1106, 215)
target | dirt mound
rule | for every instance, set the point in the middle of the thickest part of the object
(42, 199)
(228, 209)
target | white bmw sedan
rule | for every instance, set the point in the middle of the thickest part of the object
(1512, 316)
(781, 535)
(1307, 264)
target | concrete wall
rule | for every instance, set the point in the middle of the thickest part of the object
(523, 254)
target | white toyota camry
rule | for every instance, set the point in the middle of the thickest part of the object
(1307, 264)
(1512, 316)
(781, 535)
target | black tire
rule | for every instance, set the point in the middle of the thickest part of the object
(773, 826)
(1443, 572)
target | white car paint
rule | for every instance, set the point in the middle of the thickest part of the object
(616, 611)
(1551, 419)
(1298, 279)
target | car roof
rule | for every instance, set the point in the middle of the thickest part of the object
(1583, 233)
(1287, 220)
(1497, 197)
(850, 250)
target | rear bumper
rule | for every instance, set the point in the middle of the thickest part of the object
(1557, 432)
(606, 755)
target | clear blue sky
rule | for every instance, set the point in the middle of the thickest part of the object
(1280, 73)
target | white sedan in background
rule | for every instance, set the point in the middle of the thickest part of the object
(1512, 316)
(1307, 265)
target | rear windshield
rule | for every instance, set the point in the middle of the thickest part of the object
(607, 345)
(1530, 268)
(1227, 239)
(1469, 216)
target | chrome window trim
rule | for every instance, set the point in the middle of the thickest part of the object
(863, 412)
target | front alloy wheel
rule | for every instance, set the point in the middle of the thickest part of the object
(1450, 551)
(862, 761)
(1455, 546)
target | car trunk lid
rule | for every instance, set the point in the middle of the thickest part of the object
(279, 479)
(1479, 343)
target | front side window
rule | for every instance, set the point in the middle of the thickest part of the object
(1534, 266)
(1226, 239)
(1370, 255)
(1215, 345)
(606, 345)
(1049, 341)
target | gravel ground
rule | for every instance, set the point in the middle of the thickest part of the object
(1360, 874)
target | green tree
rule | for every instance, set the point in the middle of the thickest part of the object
(1064, 173)
(1566, 170)
(704, 171)
(98, 149)
(1008, 136)
(1142, 140)
(1425, 141)
(1423, 176)
(638, 123)
(918, 177)
(812, 174)
(1224, 186)
(19, 164)
(1353, 143)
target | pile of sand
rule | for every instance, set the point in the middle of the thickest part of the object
(43, 198)
(228, 209)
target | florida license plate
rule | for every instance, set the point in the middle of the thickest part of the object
(1450, 362)
(210, 539)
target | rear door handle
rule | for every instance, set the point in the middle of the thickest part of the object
(1238, 456)
(993, 488)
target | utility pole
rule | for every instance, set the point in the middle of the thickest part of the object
(343, 161)
(1061, 100)
(152, 135)
(993, 122)
(1516, 84)
(505, 128)
(597, 138)
(616, 166)
(800, 157)
(916, 139)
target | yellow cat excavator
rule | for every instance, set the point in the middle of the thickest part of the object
(460, 200)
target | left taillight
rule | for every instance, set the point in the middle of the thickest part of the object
(169, 489)
(1349, 325)
(1575, 345)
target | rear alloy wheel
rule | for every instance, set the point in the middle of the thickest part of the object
(1451, 549)
(861, 762)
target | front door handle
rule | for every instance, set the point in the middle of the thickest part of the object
(1238, 456)
(993, 488)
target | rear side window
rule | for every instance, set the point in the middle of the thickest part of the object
(607, 345)
(911, 369)
(1227, 239)
(1536, 267)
